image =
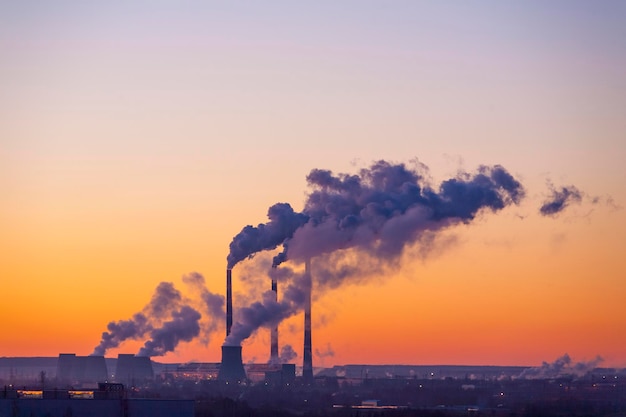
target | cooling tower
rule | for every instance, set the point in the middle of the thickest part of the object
(133, 369)
(229, 301)
(274, 332)
(81, 369)
(231, 369)
(65, 366)
(92, 369)
(307, 363)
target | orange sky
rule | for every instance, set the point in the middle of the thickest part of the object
(136, 141)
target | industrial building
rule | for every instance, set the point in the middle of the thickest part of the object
(108, 400)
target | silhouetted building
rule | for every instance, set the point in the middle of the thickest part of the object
(72, 369)
(108, 400)
(132, 370)
(231, 369)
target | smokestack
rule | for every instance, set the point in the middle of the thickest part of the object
(229, 301)
(231, 369)
(307, 363)
(274, 332)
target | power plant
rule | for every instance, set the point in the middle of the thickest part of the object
(136, 370)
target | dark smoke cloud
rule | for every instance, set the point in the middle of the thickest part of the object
(387, 207)
(561, 367)
(559, 199)
(167, 319)
(164, 299)
(327, 352)
(213, 304)
(267, 312)
(183, 327)
(283, 222)
(119, 331)
(287, 354)
(373, 216)
(381, 210)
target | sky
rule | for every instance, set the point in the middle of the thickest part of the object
(137, 138)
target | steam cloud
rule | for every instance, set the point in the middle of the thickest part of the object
(559, 199)
(377, 213)
(283, 223)
(287, 354)
(167, 319)
(561, 367)
(184, 326)
(268, 311)
(327, 352)
(381, 210)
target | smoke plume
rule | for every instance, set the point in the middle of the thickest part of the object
(267, 312)
(184, 326)
(164, 299)
(373, 216)
(561, 367)
(380, 210)
(122, 330)
(287, 354)
(283, 222)
(167, 319)
(327, 352)
(559, 199)
(387, 207)
(212, 304)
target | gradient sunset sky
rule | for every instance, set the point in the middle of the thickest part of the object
(138, 137)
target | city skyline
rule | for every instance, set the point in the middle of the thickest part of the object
(139, 139)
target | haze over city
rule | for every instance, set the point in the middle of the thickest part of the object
(454, 172)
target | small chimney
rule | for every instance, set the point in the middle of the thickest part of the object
(274, 332)
(307, 364)
(229, 301)
(231, 369)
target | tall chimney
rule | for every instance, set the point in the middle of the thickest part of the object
(274, 332)
(229, 301)
(307, 364)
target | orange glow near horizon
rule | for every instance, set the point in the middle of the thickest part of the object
(475, 301)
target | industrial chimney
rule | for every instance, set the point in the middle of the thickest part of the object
(307, 363)
(231, 368)
(229, 300)
(274, 332)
